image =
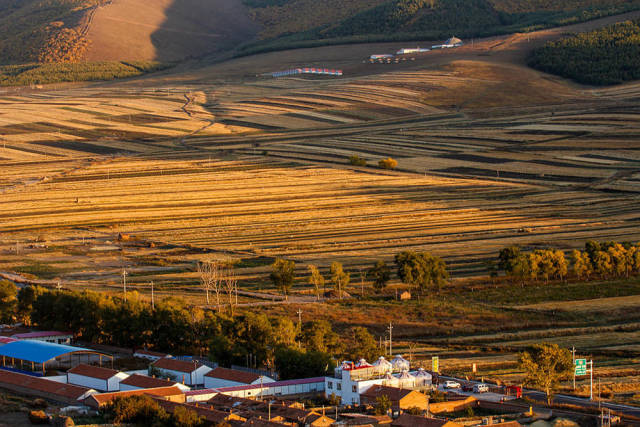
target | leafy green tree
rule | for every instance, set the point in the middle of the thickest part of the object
(381, 273)
(185, 417)
(339, 277)
(356, 160)
(284, 332)
(282, 275)
(521, 268)
(138, 410)
(8, 301)
(592, 247)
(316, 279)
(546, 366)
(421, 269)
(292, 363)
(319, 336)
(363, 344)
(507, 259)
(383, 404)
(26, 297)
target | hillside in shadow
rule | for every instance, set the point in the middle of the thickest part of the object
(167, 30)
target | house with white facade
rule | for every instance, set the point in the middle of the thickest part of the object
(139, 382)
(224, 377)
(190, 373)
(351, 380)
(97, 378)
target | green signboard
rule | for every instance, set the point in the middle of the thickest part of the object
(581, 367)
(435, 364)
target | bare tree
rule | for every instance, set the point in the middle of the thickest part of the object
(230, 283)
(211, 278)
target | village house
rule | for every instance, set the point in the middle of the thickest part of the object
(186, 372)
(138, 382)
(101, 379)
(400, 399)
(224, 377)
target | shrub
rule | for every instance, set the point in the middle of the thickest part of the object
(356, 160)
(388, 163)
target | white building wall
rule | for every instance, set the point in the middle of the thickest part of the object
(210, 382)
(190, 378)
(347, 389)
(113, 383)
(88, 382)
(200, 373)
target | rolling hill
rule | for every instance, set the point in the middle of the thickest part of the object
(52, 31)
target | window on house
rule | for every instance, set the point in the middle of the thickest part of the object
(329, 384)
(339, 386)
(354, 388)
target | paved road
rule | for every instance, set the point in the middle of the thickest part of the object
(633, 411)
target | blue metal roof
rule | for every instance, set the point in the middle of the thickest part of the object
(37, 351)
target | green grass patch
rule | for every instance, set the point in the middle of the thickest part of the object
(38, 74)
(534, 294)
(41, 270)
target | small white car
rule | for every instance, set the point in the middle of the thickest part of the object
(480, 388)
(451, 384)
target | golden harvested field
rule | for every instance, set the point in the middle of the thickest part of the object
(154, 174)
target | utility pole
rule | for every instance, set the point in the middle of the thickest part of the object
(299, 325)
(573, 353)
(591, 379)
(124, 283)
(390, 329)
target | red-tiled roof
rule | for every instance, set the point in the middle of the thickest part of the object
(176, 365)
(104, 398)
(393, 393)
(41, 334)
(93, 371)
(233, 375)
(260, 422)
(53, 388)
(7, 340)
(144, 381)
(209, 414)
(407, 420)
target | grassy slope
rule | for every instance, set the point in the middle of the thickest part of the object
(298, 23)
(41, 30)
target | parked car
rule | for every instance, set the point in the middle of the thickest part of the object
(467, 387)
(480, 388)
(451, 384)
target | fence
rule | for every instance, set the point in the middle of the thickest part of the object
(317, 71)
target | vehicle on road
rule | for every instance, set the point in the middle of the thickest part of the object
(451, 384)
(480, 388)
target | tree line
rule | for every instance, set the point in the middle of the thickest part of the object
(604, 260)
(606, 56)
(294, 350)
(421, 270)
(406, 20)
